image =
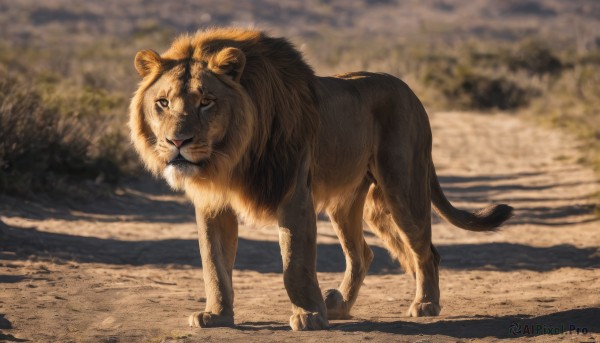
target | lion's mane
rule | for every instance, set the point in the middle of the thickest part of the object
(281, 88)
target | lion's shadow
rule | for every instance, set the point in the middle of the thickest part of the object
(563, 323)
(265, 256)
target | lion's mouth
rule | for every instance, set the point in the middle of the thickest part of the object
(180, 161)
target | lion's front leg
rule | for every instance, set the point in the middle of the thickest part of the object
(297, 240)
(218, 237)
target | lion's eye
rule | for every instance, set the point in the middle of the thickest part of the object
(206, 102)
(163, 102)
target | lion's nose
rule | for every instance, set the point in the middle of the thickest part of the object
(179, 142)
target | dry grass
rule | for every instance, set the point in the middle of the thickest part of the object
(50, 146)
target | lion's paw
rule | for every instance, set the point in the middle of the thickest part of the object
(337, 308)
(308, 321)
(424, 309)
(208, 319)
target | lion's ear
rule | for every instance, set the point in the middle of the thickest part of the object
(146, 61)
(229, 61)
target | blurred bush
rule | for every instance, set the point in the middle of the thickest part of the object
(466, 88)
(534, 57)
(50, 146)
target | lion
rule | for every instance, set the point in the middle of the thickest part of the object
(239, 121)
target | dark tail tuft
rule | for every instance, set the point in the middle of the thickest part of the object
(488, 218)
(485, 219)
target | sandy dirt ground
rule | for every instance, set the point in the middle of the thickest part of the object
(127, 268)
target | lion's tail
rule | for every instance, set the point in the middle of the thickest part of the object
(485, 219)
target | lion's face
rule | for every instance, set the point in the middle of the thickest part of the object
(188, 121)
(195, 119)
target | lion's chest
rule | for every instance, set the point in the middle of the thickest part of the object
(250, 212)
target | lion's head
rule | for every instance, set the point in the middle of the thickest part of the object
(192, 118)
(217, 108)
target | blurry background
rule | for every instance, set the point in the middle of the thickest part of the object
(66, 67)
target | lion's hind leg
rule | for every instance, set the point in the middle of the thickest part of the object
(378, 218)
(401, 168)
(411, 245)
(346, 217)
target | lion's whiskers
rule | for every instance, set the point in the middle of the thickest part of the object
(220, 153)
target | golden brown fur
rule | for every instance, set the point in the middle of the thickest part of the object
(239, 121)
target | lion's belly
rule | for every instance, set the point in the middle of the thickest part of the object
(344, 148)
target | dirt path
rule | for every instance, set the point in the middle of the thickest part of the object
(127, 269)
